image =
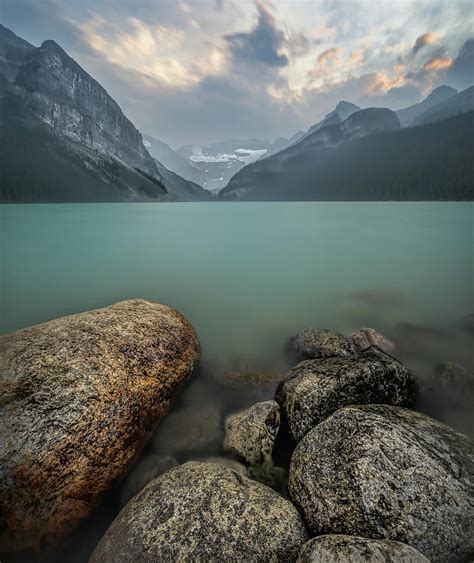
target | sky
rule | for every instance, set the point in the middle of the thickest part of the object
(200, 71)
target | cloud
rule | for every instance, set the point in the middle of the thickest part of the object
(426, 39)
(148, 49)
(438, 63)
(329, 55)
(196, 72)
(263, 44)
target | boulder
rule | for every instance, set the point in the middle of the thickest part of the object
(251, 433)
(227, 462)
(203, 512)
(354, 549)
(314, 389)
(367, 337)
(144, 471)
(385, 472)
(311, 343)
(81, 395)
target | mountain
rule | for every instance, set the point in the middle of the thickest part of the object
(341, 112)
(358, 124)
(282, 143)
(77, 142)
(172, 160)
(184, 190)
(430, 162)
(408, 115)
(460, 103)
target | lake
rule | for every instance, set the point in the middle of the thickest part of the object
(249, 276)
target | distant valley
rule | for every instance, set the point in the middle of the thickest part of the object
(80, 147)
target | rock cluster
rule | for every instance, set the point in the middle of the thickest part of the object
(368, 479)
(204, 512)
(81, 394)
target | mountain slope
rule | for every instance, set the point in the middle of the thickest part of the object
(52, 105)
(408, 115)
(183, 189)
(430, 162)
(341, 112)
(172, 160)
(358, 124)
(460, 103)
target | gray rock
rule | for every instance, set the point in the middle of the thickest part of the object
(252, 432)
(227, 462)
(311, 343)
(354, 549)
(203, 512)
(366, 337)
(387, 473)
(314, 389)
(190, 429)
(81, 395)
(144, 471)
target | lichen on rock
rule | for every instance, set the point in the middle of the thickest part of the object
(251, 433)
(80, 396)
(339, 548)
(203, 512)
(385, 472)
(314, 389)
(313, 343)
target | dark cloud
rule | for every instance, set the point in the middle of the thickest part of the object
(423, 40)
(263, 43)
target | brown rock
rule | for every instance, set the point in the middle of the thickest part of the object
(80, 396)
(366, 337)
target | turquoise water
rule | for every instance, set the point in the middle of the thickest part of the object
(248, 276)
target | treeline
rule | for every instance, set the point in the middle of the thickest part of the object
(429, 162)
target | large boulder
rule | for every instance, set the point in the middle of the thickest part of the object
(344, 549)
(313, 343)
(81, 395)
(251, 433)
(389, 473)
(203, 512)
(314, 389)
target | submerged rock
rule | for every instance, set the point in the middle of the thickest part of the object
(311, 343)
(143, 472)
(203, 512)
(354, 549)
(453, 378)
(366, 337)
(314, 389)
(81, 394)
(252, 432)
(389, 473)
(190, 429)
